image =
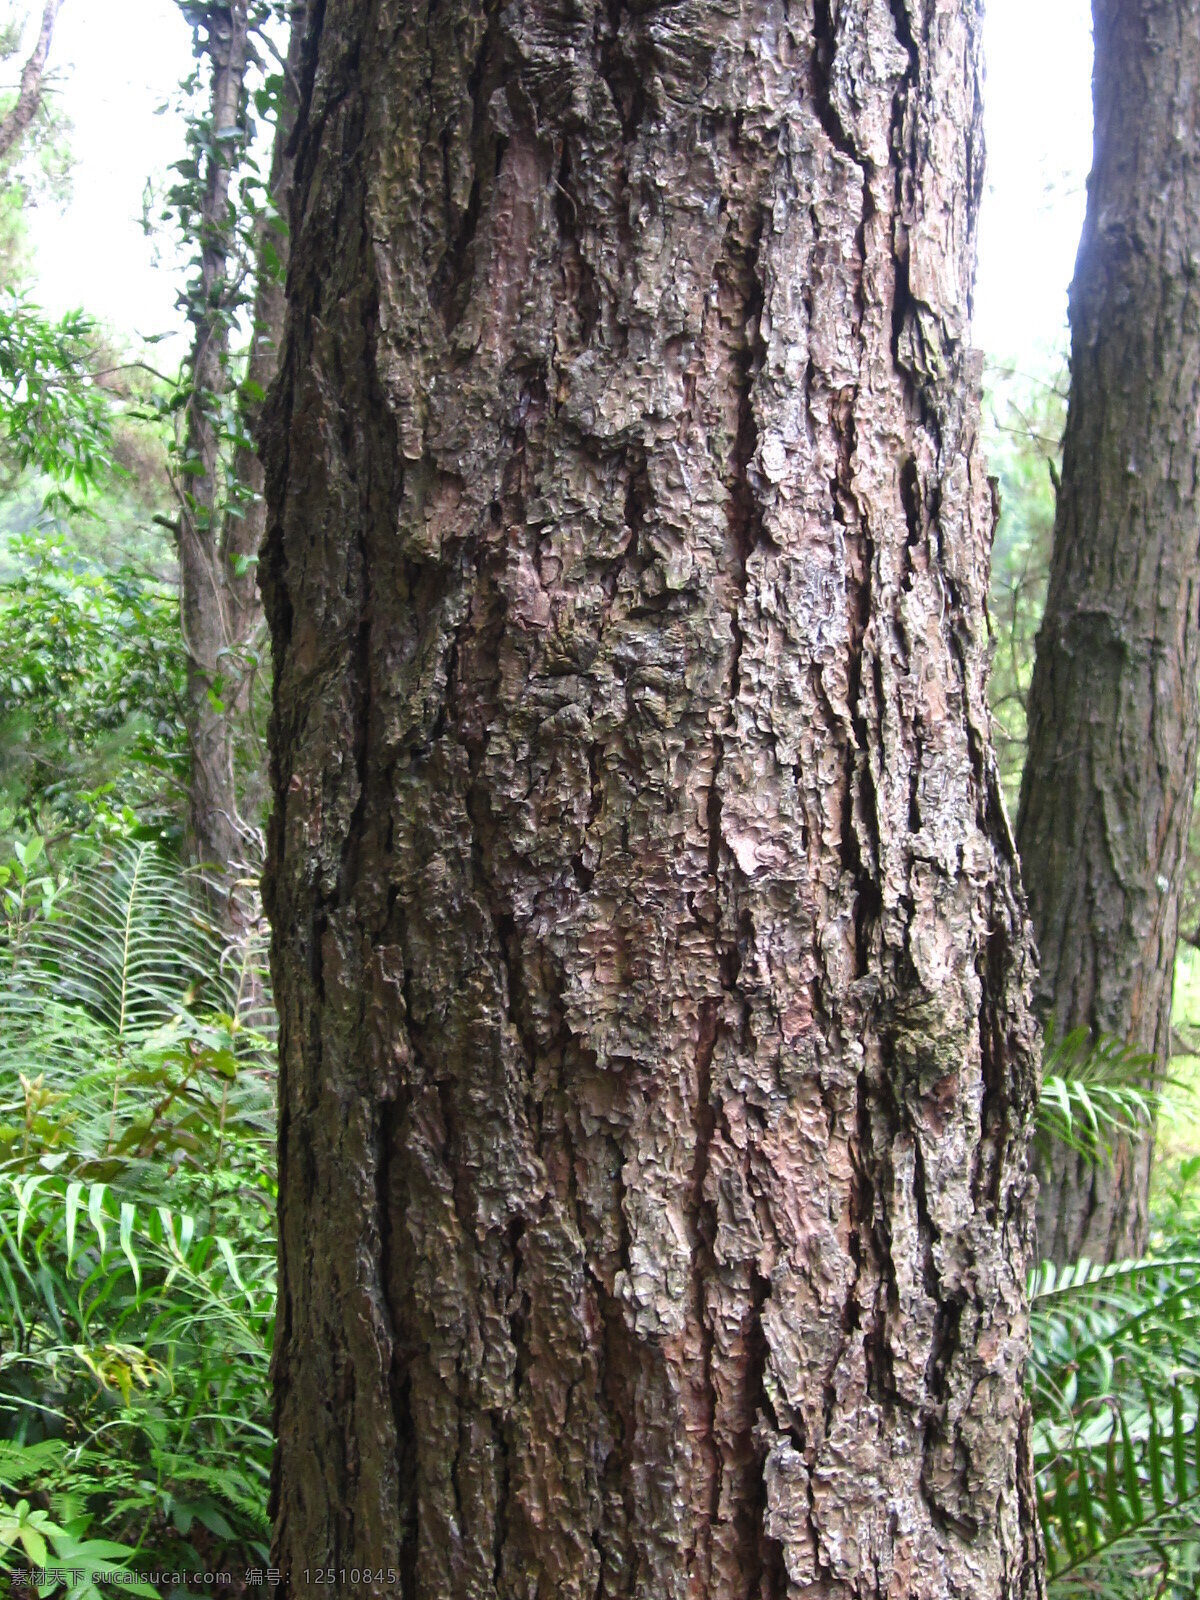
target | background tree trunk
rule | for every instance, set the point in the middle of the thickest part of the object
(223, 514)
(1107, 791)
(245, 520)
(216, 838)
(29, 92)
(656, 1057)
(242, 534)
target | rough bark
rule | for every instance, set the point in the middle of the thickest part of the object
(29, 92)
(1107, 791)
(223, 514)
(656, 1052)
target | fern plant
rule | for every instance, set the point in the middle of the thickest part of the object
(1115, 1370)
(137, 1262)
(1094, 1092)
(1116, 1389)
(131, 1045)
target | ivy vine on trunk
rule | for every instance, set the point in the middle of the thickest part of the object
(241, 257)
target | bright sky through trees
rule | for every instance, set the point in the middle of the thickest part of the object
(1038, 113)
(115, 63)
(118, 60)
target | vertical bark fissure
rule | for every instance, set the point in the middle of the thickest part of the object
(703, 1231)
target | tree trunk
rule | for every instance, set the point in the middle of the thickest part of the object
(29, 93)
(242, 534)
(223, 518)
(245, 519)
(216, 836)
(656, 1052)
(1107, 792)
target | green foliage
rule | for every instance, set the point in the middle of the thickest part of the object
(131, 1036)
(1115, 1369)
(53, 414)
(137, 1262)
(1116, 1391)
(1025, 418)
(1095, 1092)
(137, 1347)
(91, 680)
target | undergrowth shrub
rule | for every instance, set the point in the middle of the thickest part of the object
(1115, 1368)
(137, 1259)
(91, 686)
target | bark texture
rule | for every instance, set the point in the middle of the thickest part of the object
(656, 1052)
(29, 92)
(1107, 792)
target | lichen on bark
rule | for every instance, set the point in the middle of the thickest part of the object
(656, 1059)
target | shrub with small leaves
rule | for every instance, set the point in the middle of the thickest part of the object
(91, 683)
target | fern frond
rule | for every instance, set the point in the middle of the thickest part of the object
(129, 1030)
(1124, 1496)
(1115, 1378)
(1096, 1091)
(129, 944)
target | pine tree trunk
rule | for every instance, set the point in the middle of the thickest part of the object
(656, 1052)
(1107, 792)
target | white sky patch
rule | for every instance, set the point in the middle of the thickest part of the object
(1038, 125)
(116, 61)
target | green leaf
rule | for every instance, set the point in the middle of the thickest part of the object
(1117, 1514)
(96, 1213)
(25, 1193)
(74, 1191)
(227, 1256)
(35, 1545)
(127, 1219)
(1063, 1520)
(1133, 1488)
(1178, 1440)
(1154, 1452)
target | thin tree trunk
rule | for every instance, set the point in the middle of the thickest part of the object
(222, 525)
(243, 533)
(29, 92)
(1107, 792)
(216, 837)
(656, 1055)
(245, 517)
